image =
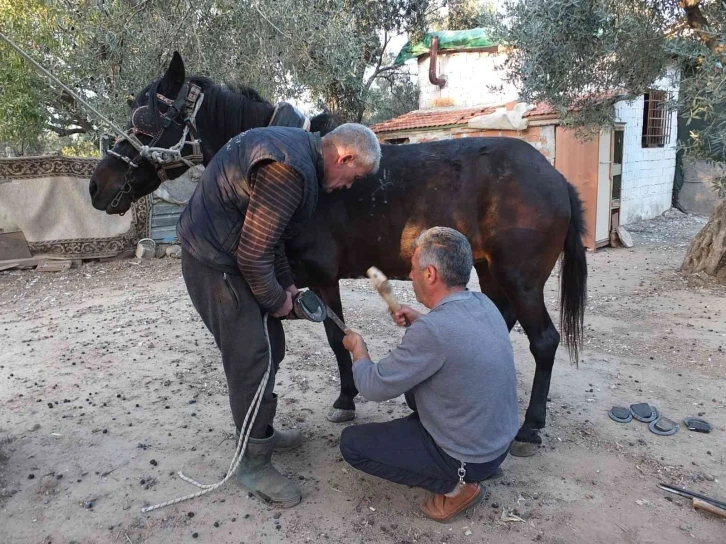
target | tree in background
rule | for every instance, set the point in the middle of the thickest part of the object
(394, 94)
(29, 109)
(330, 52)
(357, 79)
(464, 14)
(593, 53)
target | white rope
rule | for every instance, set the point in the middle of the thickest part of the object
(244, 436)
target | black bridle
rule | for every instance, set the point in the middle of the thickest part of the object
(186, 105)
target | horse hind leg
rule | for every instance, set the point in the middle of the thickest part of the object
(543, 342)
(522, 289)
(491, 289)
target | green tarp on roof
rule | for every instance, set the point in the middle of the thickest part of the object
(448, 39)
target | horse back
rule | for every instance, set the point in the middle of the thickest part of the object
(483, 187)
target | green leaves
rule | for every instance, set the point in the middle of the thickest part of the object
(321, 51)
(592, 53)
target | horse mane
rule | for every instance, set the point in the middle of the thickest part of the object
(240, 89)
(231, 105)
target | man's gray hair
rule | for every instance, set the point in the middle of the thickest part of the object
(448, 251)
(360, 140)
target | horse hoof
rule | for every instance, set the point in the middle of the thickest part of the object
(523, 449)
(338, 415)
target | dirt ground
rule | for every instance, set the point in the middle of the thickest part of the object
(110, 385)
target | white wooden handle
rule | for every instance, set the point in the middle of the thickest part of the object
(380, 284)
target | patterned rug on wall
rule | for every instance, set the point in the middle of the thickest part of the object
(46, 198)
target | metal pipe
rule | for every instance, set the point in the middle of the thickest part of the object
(433, 78)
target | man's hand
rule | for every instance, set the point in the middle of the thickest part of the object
(405, 316)
(353, 342)
(286, 307)
(292, 290)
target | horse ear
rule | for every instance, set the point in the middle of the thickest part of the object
(323, 123)
(175, 74)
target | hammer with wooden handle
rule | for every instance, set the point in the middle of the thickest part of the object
(382, 285)
(698, 504)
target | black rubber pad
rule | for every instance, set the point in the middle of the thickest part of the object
(697, 424)
(663, 426)
(644, 412)
(620, 414)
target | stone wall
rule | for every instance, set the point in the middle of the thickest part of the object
(648, 173)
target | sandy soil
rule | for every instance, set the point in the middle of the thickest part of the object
(109, 385)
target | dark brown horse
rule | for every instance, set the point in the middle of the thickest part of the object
(517, 211)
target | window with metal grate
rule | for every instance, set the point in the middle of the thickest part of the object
(656, 119)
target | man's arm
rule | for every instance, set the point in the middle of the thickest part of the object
(276, 195)
(282, 267)
(416, 359)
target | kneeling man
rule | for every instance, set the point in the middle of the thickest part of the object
(456, 368)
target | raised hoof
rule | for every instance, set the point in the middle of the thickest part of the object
(338, 415)
(523, 449)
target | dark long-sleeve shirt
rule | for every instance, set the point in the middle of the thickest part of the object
(276, 194)
(457, 361)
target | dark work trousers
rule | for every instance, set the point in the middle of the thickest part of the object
(231, 313)
(402, 451)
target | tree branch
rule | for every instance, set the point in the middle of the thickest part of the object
(386, 69)
(380, 70)
(68, 99)
(66, 131)
(138, 8)
(67, 127)
(697, 21)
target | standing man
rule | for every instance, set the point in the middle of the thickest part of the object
(456, 367)
(259, 190)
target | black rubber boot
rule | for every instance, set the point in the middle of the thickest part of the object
(257, 475)
(282, 440)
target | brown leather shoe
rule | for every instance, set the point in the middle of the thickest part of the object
(442, 508)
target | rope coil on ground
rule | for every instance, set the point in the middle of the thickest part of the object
(244, 436)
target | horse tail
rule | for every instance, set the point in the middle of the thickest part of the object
(573, 278)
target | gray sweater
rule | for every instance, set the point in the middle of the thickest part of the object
(458, 362)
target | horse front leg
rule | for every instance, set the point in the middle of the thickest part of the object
(344, 407)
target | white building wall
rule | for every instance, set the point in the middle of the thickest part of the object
(469, 78)
(474, 80)
(647, 182)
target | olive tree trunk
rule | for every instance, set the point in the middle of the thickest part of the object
(707, 252)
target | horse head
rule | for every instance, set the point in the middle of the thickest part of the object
(160, 142)
(176, 122)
